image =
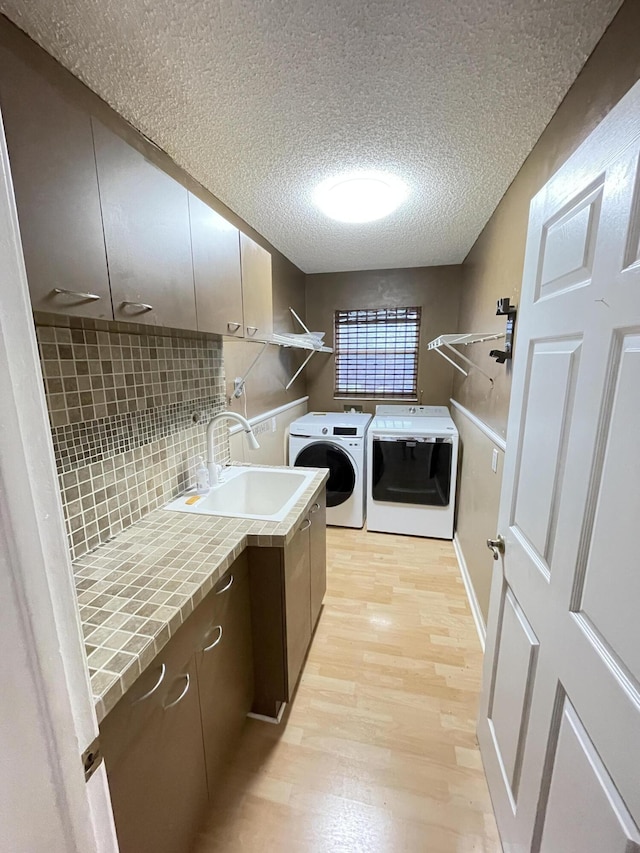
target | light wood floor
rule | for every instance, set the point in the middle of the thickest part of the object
(377, 753)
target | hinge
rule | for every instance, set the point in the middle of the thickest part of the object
(91, 759)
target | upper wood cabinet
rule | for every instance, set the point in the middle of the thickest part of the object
(256, 289)
(147, 235)
(56, 187)
(215, 245)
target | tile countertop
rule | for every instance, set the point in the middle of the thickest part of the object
(135, 591)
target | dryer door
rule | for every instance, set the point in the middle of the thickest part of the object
(342, 475)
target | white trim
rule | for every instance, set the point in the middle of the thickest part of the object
(258, 419)
(498, 440)
(481, 628)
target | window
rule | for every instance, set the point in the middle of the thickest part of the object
(376, 353)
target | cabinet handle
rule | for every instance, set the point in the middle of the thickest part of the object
(252, 330)
(301, 529)
(146, 695)
(144, 305)
(227, 586)
(315, 508)
(233, 327)
(78, 293)
(215, 642)
(182, 695)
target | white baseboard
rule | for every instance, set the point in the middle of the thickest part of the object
(481, 628)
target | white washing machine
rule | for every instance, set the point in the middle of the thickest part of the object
(412, 463)
(336, 441)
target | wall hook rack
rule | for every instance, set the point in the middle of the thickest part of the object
(504, 308)
(310, 341)
(450, 341)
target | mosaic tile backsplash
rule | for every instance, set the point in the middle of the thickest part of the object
(128, 408)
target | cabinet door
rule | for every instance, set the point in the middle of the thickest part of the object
(256, 289)
(297, 604)
(56, 187)
(318, 555)
(155, 764)
(225, 669)
(268, 629)
(147, 235)
(215, 245)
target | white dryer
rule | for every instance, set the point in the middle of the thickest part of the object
(336, 441)
(412, 465)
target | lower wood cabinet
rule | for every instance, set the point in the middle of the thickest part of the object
(152, 744)
(297, 598)
(287, 589)
(224, 664)
(167, 739)
(318, 555)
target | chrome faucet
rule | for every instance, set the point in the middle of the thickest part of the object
(251, 441)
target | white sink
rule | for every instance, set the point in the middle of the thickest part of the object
(260, 493)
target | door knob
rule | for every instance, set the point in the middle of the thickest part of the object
(496, 546)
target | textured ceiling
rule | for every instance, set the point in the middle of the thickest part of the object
(262, 99)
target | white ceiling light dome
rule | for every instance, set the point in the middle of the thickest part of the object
(360, 196)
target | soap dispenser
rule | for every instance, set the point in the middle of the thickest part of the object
(202, 477)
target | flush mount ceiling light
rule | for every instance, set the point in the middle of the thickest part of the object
(361, 196)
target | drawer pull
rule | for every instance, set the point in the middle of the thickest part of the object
(64, 292)
(315, 508)
(301, 529)
(252, 330)
(227, 586)
(233, 327)
(215, 642)
(143, 305)
(163, 671)
(182, 695)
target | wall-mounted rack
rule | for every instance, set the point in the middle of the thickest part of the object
(449, 342)
(310, 341)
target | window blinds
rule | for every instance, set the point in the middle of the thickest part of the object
(376, 353)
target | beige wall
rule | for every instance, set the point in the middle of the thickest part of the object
(435, 289)
(494, 265)
(265, 385)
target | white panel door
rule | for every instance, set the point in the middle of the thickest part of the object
(560, 715)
